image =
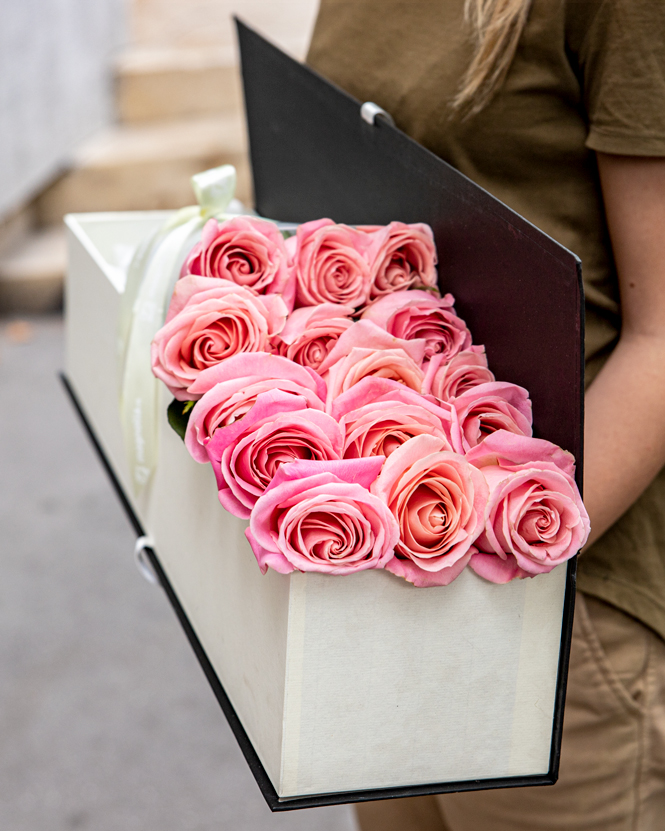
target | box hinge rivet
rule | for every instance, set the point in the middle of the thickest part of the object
(142, 560)
(370, 111)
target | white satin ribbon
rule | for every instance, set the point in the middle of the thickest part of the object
(151, 277)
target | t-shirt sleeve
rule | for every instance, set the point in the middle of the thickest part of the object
(622, 63)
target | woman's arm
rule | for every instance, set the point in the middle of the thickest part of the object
(625, 405)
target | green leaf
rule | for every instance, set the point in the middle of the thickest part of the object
(178, 413)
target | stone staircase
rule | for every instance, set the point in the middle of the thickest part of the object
(178, 112)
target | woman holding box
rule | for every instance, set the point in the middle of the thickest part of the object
(557, 107)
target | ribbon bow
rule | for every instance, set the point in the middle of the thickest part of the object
(151, 277)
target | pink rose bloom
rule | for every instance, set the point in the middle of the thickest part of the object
(320, 516)
(403, 256)
(230, 390)
(486, 408)
(535, 519)
(331, 264)
(247, 251)
(393, 364)
(364, 350)
(209, 321)
(364, 334)
(438, 500)
(311, 332)
(378, 416)
(448, 380)
(419, 314)
(279, 428)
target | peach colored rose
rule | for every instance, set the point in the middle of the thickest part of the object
(486, 408)
(209, 321)
(378, 416)
(403, 256)
(247, 251)
(364, 334)
(278, 429)
(448, 380)
(420, 314)
(365, 349)
(311, 332)
(320, 516)
(394, 364)
(229, 390)
(535, 518)
(330, 263)
(438, 500)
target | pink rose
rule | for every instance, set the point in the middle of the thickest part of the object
(365, 349)
(378, 416)
(484, 409)
(209, 321)
(467, 369)
(393, 364)
(438, 500)
(402, 256)
(279, 428)
(330, 263)
(229, 390)
(311, 332)
(247, 251)
(320, 516)
(535, 518)
(367, 335)
(419, 314)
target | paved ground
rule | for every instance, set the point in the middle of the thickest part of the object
(106, 721)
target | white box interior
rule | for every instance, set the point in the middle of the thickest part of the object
(341, 683)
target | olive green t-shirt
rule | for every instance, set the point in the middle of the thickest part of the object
(587, 75)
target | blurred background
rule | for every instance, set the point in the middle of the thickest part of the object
(106, 720)
(111, 105)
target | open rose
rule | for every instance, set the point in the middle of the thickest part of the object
(330, 264)
(320, 516)
(378, 416)
(229, 390)
(403, 256)
(535, 519)
(438, 500)
(365, 349)
(208, 322)
(311, 332)
(394, 364)
(247, 251)
(448, 380)
(419, 314)
(279, 428)
(364, 334)
(484, 409)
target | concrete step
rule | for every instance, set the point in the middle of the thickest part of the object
(147, 167)
(32, 273)
(153, 84)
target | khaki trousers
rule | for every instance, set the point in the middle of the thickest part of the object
(612, 775)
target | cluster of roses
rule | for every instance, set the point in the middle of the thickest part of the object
(348, 415)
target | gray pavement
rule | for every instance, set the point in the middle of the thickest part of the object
(106, 720)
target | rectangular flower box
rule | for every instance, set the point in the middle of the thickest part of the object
(356, 687)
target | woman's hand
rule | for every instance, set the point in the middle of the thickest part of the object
(625, 405)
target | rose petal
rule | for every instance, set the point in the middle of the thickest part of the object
(495, 569)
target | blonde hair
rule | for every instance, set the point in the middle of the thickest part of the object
(497, 27)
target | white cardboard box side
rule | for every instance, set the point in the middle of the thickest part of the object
(242, 632)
